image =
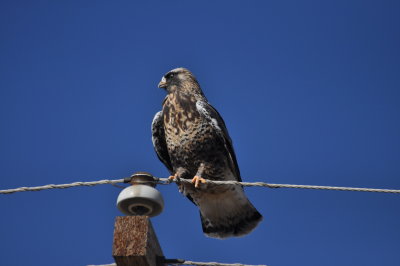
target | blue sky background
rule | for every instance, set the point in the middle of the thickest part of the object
(309, 90)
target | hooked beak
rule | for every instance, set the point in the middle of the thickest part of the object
(163, 83)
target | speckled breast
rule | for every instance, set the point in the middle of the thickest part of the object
(188, 135)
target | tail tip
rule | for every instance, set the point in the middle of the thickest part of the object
(234, 228)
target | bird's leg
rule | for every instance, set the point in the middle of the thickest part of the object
(180, 171)
(172, 178)
(178, 174)
(197, 179)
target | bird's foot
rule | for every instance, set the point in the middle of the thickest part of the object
(197, 181)
(173, 178)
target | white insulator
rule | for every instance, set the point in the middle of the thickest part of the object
(140, 200)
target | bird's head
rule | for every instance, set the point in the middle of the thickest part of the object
(180, 80)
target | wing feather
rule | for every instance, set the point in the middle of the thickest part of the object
(159, 142)
(216, 121)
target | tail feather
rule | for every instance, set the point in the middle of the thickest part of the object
(223, 230)
(228, 216)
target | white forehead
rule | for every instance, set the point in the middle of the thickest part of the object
(179, 69)
(179, 72)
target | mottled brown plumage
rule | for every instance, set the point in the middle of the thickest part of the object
(191, 139)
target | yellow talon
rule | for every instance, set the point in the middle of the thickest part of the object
(173, 178)
(197, 180)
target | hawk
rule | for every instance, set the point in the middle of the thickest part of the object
(191, 140)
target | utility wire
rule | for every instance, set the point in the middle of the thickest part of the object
(51, 186)
(166, 181)
(111, 264)
(188, 262)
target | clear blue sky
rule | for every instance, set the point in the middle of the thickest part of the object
(309, 90)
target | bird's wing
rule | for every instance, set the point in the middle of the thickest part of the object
(215, 120)
(159, 143)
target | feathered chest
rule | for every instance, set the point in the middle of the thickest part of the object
(189, 135)
(181, 117)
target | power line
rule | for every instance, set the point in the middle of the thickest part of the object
(111, 264)
(59, 186)
(188, 262)
(269, 185)
(166, 181)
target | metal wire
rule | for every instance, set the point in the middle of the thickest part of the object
(111, 264)
(188, 262)
(52, 186)
(269, 185)
(166, 181)
(197, 263)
